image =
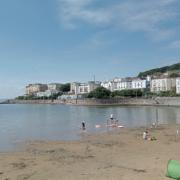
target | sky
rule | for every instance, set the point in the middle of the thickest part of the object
(74, 40)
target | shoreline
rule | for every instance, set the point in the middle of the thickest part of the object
(121, 154)
(159, 101)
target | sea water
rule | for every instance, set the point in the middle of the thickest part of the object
(20, 123)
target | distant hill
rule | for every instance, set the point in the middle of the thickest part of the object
(158, 71)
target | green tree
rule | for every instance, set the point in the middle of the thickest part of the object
(100, 93)
(167, 94)
(55, 96)
(127, 93)
(65, 87)
(174, 67)
(173, 75)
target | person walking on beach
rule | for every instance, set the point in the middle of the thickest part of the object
(83, 125)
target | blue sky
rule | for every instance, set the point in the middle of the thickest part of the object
(73, 40)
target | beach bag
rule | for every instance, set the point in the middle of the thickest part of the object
(173, 169)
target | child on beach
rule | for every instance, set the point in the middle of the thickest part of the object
(146, 136)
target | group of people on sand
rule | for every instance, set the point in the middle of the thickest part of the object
(147, 136)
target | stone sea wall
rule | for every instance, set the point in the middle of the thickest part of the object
(162, 101)
(119, 101)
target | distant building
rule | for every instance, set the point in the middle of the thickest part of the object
(110, 85)
(178, 85)
(33, 89)
(107, 85)
(83, 88)
(74, 88)
(71, 96)
(46, 93)
(140, 83)
(54, 86)
(163, 84)
(124, 84)
(118, 84)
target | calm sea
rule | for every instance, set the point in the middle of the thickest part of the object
(19, 123)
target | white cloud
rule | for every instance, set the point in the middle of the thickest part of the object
(72, 11)
(140, 15)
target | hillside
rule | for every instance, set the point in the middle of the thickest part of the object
(174, 67)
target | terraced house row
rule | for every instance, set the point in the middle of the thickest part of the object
(155, 85)
(152, 84)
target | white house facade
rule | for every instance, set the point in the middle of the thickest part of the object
(118, 84)
(164, 84)
(107, 85)
(139, 84)
(124, 84)
(178, 86)
(110, 85)
(84, 88)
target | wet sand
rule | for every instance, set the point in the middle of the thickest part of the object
(118, 155)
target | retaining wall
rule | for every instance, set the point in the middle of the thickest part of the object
(163, 101)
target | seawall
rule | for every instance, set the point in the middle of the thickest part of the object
(161, 101)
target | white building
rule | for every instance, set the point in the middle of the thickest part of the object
(107, 85)
(178, 86)
(140, 84)
(110, 85)
(118, 84)
(163, 84)
(84, 88)
(124, 84)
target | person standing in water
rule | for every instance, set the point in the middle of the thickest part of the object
(83, 125)
(112, 119)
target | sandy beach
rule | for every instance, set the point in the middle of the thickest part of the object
(118, 155)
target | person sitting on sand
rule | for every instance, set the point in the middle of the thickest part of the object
(145, 135)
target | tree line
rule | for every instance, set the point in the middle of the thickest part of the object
(103, 93)
(158, 71)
